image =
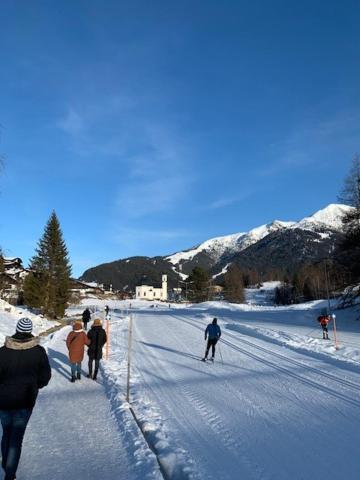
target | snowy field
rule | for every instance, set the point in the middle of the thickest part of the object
(9, 316)
(256, 413)
(278, 403)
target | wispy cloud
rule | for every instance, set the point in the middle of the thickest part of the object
(222, 202)
(140, 241)
(153, 196)
(72, 123)
(155, 161)
(308, 145)
(228, 201)
(158, 178)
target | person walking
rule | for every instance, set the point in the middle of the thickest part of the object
(97, 337)
(86, 316)
(212, 331)
(75, 342)
(324, 321)
(24, 369)
(107, 311)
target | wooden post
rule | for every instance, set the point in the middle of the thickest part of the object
(108, 338)
(129, 359)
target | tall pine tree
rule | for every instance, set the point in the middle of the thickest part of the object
(47, 287)
(349, 253)
(234, 285)
(198, 280)
(2, 272)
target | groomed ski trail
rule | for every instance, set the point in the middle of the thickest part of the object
(74, 435)
(266, 413)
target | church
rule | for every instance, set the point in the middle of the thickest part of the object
(152, 292)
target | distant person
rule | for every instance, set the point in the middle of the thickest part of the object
(107, 310)
(75, 342)
(24, 369)
(86, 316)
(97, 337)
(324, 321)
(214, 333)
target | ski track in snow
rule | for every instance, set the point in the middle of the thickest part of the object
(273, 409)
(267, 413)
(73, 435)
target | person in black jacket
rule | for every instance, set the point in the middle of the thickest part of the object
(24, 369)
(86, 316)
(97, 337)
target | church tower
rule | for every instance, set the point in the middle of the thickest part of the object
(164, 287)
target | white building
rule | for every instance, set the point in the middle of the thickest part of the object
(150, 292)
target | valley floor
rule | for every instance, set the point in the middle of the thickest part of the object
(277, 403)
(261, 411)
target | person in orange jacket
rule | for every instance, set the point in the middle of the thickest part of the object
(324, 321)
(75, 342)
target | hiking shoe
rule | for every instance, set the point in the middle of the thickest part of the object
(78, 376)
(72, 379)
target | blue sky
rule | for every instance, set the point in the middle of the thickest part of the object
(152, 126)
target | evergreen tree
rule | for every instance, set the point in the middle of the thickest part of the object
(349, 250)
(284, 294)
(297, 287)
(2, 271)
(48, 284)
(307, 291)
(234, 285)
(198, 285)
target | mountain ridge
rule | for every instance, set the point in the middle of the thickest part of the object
(314, 235)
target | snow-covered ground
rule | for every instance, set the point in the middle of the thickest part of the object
(9, 316)
(75, 433)
(263, 295)
(262, 411)
(278, 403)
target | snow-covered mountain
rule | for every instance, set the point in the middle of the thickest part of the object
(326, 219)
(276, 245)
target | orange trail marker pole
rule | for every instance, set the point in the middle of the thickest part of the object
(335, 333)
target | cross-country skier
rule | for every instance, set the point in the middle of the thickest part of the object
(86, 316)
(324, 321)
(214, 333)
(97, 337)
(24, 368)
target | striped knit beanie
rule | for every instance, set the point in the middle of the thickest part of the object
(24, 325)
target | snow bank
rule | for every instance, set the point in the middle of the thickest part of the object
(302, 342)
(175, 462)
(9, 316)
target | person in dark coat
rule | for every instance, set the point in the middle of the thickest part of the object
(97, 337)
(86, 316)
(24, 369)
(214, 333)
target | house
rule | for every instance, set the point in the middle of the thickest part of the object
(83, 289)
(12, 280)
(145, 291)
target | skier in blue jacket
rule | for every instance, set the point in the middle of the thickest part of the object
(214, 333)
